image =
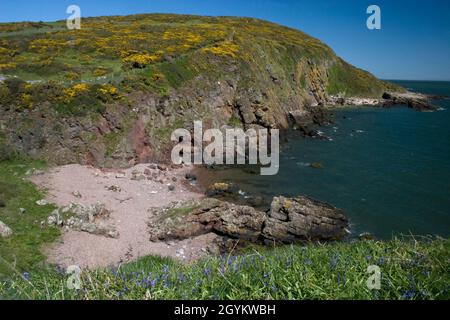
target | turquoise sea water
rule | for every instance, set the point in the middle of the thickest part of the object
(389, 169)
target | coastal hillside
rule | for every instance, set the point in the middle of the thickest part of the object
(111, 93)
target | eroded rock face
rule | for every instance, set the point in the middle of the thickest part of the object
(289, 220)
(5, 231)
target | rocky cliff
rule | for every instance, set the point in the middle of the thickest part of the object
(111, 93)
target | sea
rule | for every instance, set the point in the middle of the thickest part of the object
(387, 168)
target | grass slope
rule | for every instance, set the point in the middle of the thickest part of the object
(22, 250)
(410, 269)
(156, 53)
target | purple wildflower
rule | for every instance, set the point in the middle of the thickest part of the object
(408, 294)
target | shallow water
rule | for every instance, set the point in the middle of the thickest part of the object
(389, 169)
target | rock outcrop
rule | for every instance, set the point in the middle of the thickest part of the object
(289, 220)
(5, 231)
(93, 219)
(416, 101)
(292, 219)
(413, 100)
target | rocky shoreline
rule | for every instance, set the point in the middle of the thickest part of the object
(112, 216)
(416, 101)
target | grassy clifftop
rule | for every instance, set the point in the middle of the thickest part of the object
(173, 68)
(171, 48)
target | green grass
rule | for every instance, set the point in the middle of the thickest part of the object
(22, 250)
(410, 269)
(174, 213)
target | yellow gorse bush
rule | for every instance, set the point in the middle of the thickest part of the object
(108, 89)
(9, 65)
(140, 60)
(76, 90)
(226, 48)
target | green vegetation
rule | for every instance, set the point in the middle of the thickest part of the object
(350, 81)
(410, 269)
(22, 250)
(155, 53)
(174, 213)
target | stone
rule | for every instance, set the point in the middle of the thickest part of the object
(162, 167)
(114, 188)
(171, 187)
(222, 189)
(76, 194)
(42, 202)
(190, 176)
(5, 231)
(22, 210)
(316, 165)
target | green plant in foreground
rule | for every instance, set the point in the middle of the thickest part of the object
(410, 269)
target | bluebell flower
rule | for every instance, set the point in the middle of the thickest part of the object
(408, 294)
(26, 275)
(381, 261)
(368, 258)
(207, 271)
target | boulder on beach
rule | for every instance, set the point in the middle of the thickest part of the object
(93, 219)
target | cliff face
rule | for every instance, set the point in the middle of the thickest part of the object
(112, 92)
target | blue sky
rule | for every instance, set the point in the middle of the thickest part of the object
(414, 42)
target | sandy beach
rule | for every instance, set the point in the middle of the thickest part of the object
(128, 194)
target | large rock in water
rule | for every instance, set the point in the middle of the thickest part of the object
(293, 219)
(413, 100)
(289, 220)
(5, 231)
